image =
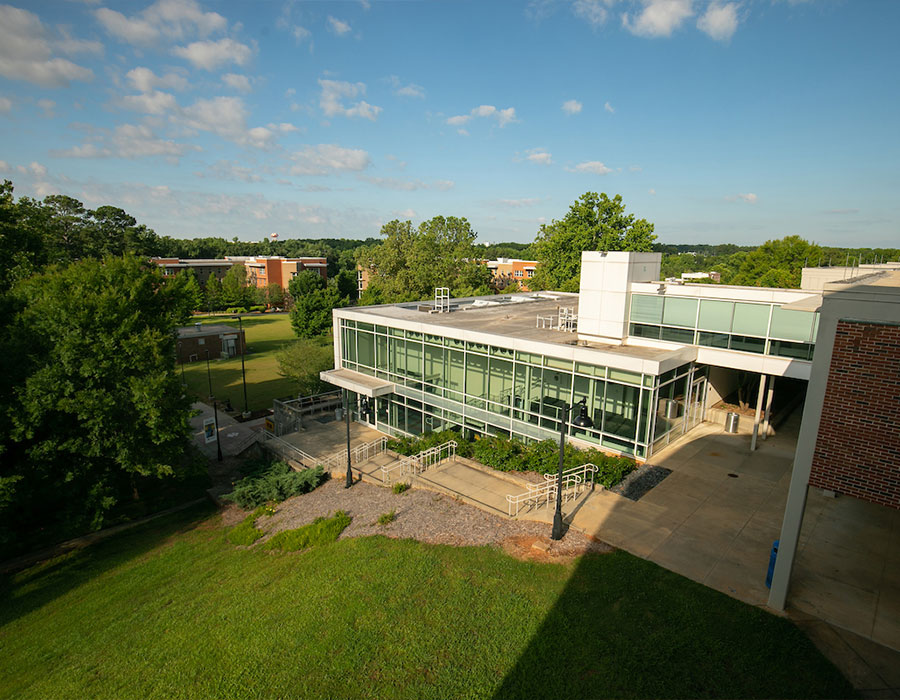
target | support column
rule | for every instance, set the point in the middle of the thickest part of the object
(759, 404)
(771, 395)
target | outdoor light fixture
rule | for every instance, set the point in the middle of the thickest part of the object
(583, 421)
(364, 407)
(243, 372)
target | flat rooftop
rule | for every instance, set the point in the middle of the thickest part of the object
(503, 316)
(205, 330)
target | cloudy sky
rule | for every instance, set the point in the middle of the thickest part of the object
(718, 121)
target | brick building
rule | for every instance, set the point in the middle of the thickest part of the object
(221, 340)
(849, 443)
(505, 271)
(261, 271)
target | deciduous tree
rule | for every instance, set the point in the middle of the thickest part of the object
(593, 222)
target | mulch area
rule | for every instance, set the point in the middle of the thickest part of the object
(425, 516)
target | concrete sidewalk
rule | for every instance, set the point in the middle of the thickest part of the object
(235, 437)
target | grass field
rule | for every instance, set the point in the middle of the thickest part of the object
(266, 335)
(172, 610)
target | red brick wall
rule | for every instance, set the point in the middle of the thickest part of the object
(858, 447)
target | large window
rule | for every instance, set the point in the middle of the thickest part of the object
(762, 328)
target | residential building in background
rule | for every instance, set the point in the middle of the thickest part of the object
(505, 271)
(261, 270)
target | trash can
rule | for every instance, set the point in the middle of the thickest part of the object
(772, 557)
(731, 422)
(338, 414)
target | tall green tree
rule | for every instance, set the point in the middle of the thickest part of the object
(97, 403)
(313, 302)
(593, 222)
(411, 262)
(235, 290)
(302, 361)
(777, 263)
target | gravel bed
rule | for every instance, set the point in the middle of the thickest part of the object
(422, 515)
(640, 481)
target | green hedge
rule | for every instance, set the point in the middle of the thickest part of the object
(508, 454)
(273, 481)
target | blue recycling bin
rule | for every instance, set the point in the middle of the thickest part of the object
(772, 557)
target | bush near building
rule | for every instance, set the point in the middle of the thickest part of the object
(508, 454)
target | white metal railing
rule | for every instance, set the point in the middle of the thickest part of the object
(358, 454)
(574, 480)
(416, 464)
(286, 449)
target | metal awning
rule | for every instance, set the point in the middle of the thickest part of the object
(357, 382)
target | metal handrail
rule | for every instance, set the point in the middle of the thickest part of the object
(360, 453)
(416, 464)
(573, 481)
(292, 450)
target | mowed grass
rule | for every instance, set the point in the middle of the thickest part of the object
(266, 335)
(173, 611)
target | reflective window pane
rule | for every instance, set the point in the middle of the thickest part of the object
(680, 312)
(715, 315)
(646, 308)
(750, 319)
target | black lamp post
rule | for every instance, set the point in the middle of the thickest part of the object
(208, 375)
(583, 421)
(243, 372)
(216, 419)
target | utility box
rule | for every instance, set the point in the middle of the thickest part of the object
(731, 422)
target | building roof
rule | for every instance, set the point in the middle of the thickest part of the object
(204, 330)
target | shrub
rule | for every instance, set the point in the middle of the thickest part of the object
(319, 531)
(400, 487)
(275, 481)
(258, 307)
(498, 453)
(246, 533)
(413, 446)
(235, 310)
(386, 518)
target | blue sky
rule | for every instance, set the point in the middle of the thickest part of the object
(717, 121)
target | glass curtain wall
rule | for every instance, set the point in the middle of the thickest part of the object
(732, 325)
(448, 383)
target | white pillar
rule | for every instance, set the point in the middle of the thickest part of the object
(759, 404)
(771, 395)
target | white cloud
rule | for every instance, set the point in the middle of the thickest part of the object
(26, 54)
(609, 108)
(226, 117)
(749, 197)
(719, 21)
(70, 45)
(595, 167)
(406, 214)
(411, 90)
(155, 102)
(462, 132)
(338, 26)
(165, 19)
(571, 106)
(241, 83)
(328, 158)
(145, 80)
(539, 156)
(332, 100)
(635, 168)
(290, 92)
(132, 31)
(211, 55)
(517, 203)
(503, 116)
(128, 141)
(283, 127)
(4, 166)
(48, 106)
(300, 34)
(5, 105)
(390, 183)
(658, 18)
(594, 12)
(651, 191)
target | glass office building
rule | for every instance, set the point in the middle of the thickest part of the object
(441, 382)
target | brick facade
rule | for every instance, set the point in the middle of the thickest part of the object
(857, 450)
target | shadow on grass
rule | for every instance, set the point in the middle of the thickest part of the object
(625, 627)
(28, 590)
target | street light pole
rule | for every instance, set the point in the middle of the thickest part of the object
(208, 375)
(243, 371)
(582, 422)
(216, 419)
(349, 481)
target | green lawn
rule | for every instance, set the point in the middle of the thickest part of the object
(266, 335)
(172, 610)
